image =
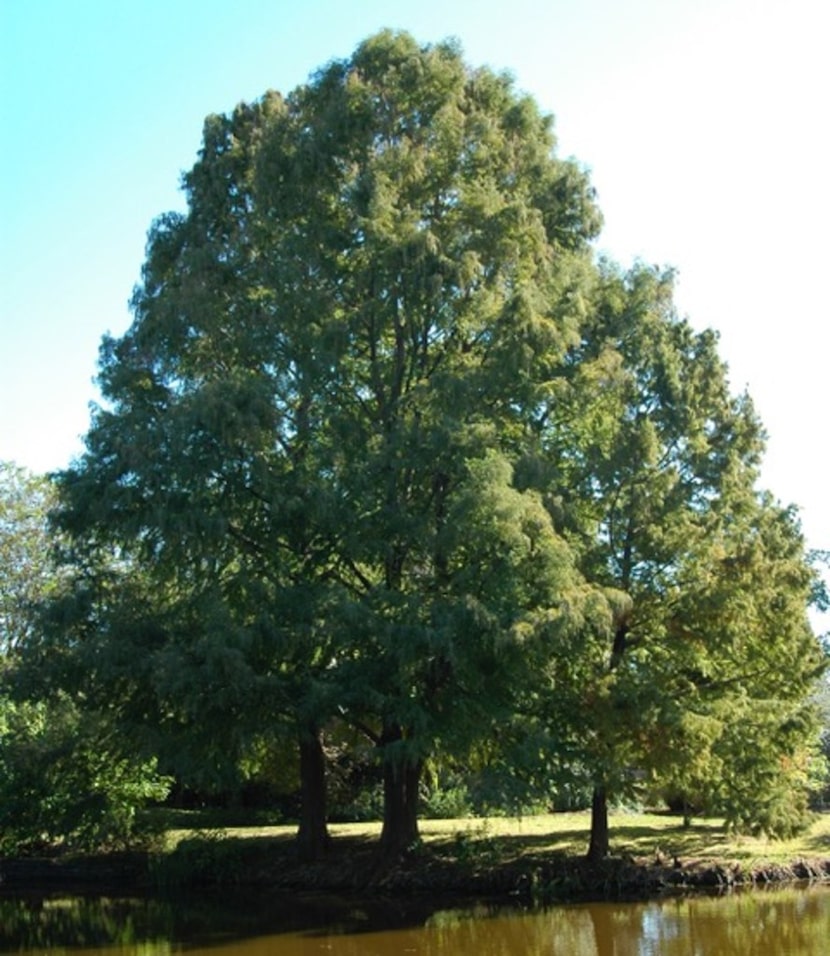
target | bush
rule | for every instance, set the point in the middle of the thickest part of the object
(61, 783)
(366, 805)
(447, 803)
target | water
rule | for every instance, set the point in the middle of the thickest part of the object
(789, 922)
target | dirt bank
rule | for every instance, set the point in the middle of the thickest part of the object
(353, 866)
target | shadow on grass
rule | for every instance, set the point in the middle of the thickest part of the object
(215, 857)
(819, 844)
(635, 840)
(474, 849)
(697, 840)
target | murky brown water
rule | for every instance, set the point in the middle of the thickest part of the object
(791, 922)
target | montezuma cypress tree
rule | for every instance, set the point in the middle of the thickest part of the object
(330, 348)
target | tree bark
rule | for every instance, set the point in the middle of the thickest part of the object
(312, 836)
(401, 780)
(600, 844)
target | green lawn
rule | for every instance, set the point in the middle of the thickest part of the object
(644, 836)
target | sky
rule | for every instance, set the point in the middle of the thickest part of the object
(702, 122)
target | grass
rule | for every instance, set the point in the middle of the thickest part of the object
(543, 856)
(643, 836)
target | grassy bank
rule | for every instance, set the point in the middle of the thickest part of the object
(540, 857)
(640, 835)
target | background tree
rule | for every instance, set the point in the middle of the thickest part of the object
(650, 467)
(755, 671)
(62, 773)
(27, 570)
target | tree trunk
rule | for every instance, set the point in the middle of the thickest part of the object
(401, 779)
(312, 835)
(600, 845)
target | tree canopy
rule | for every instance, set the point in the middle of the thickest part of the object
(386, 446)
(651, 465)
(26, 566)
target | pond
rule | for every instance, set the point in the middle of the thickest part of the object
(792, 922)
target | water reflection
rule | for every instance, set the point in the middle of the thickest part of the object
(785, 922)
(790, 922)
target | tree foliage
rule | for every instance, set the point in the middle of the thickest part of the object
(650, 464)
(63, 775)
(385, 445)
(61, 783)
(27, 570)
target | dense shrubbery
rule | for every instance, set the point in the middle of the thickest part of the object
(61, 784)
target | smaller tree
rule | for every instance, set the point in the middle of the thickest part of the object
(63, 774)
(748, 687)
(649, 466)
(27, 571)
(821, 767)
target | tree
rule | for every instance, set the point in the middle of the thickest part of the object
(27, 571)
(384, 446)
(649, 465)
(753, 684)
(60, 774)
(330, 349)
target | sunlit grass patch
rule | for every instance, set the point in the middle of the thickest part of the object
(642, 836)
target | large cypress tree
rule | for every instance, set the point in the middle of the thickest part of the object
(372, 280)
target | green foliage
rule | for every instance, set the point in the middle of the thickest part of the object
(365, 805)
(27, 570)
(768, 755)
(820, 768)
(61, 776)
(384, 447)
(649, 465)
(60, 782)
(450, 802)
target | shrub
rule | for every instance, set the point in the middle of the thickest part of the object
(61, 783)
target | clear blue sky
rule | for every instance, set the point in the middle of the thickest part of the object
(703, 122)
